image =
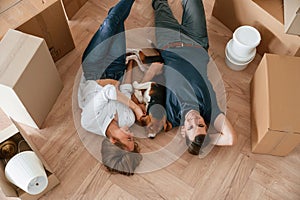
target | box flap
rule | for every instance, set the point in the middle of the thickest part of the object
(273, 7)
(7, 128)
(14, 106)
(284, 92)
(12, 61)
(26, 131)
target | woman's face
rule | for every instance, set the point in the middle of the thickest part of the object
(125, 136)
(194, 125)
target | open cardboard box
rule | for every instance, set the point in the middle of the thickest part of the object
(45, 19)
(275, 98)
(29, 80)
(72, 6)
(266, 16)
(13, 131)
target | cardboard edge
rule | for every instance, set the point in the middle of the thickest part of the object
(31, 144)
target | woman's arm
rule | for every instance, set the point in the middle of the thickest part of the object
(125, 100)
(228, 136)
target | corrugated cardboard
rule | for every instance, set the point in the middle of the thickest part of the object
(292, 16)
(275, 98)
(29, 81)
(72, 6)
(266, 17)
(6, 4)
(44, 19)
(12, 130)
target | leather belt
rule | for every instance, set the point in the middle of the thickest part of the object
(180, 44)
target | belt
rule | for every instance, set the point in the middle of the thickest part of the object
(180, 44)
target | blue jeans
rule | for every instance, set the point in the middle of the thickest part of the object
(193, 24)
(185, 67)
(105, 54)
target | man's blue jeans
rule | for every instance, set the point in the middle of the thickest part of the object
(193, 24)
(105, 55)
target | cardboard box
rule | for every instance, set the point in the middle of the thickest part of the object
(72, 6)
(29, 81)
(275, 108)
(12, 131)
(45, 19)
(266, 17)
(6, 4)
(292, 16)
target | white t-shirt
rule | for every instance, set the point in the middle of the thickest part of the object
(99, 106)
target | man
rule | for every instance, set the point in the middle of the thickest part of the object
(190, 99)
(107, 109)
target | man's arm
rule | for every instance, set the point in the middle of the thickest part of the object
(228, 135)
(154, 69)
(104, 82)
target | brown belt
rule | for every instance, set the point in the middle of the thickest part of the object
(180, 44)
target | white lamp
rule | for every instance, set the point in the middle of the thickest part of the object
(26, 171)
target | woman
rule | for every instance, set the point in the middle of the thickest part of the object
(107, 109)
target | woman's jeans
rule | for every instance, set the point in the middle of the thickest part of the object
(105, 55)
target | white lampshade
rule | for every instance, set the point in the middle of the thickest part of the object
(26, 171)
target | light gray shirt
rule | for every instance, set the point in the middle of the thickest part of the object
(99, 106)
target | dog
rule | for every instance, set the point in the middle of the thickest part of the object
(153, 96)
(150, 94)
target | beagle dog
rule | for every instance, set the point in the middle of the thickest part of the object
(153, 96)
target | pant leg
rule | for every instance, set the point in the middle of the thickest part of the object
(108, 43)
(167, 27)
(194, 21)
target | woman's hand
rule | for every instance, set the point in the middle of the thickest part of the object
(138, 113)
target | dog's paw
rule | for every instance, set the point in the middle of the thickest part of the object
(151, 135)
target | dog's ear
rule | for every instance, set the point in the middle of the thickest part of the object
(145, 120)
(134, 99)
(167, 126)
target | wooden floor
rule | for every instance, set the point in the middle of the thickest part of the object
(226, 173)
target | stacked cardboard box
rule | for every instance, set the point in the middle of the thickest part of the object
(29, 81)
(265, 16)
(275, 98)
(45, 19)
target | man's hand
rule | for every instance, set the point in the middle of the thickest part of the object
(107, 81)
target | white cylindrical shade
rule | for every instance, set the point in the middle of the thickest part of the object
(26, 171)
